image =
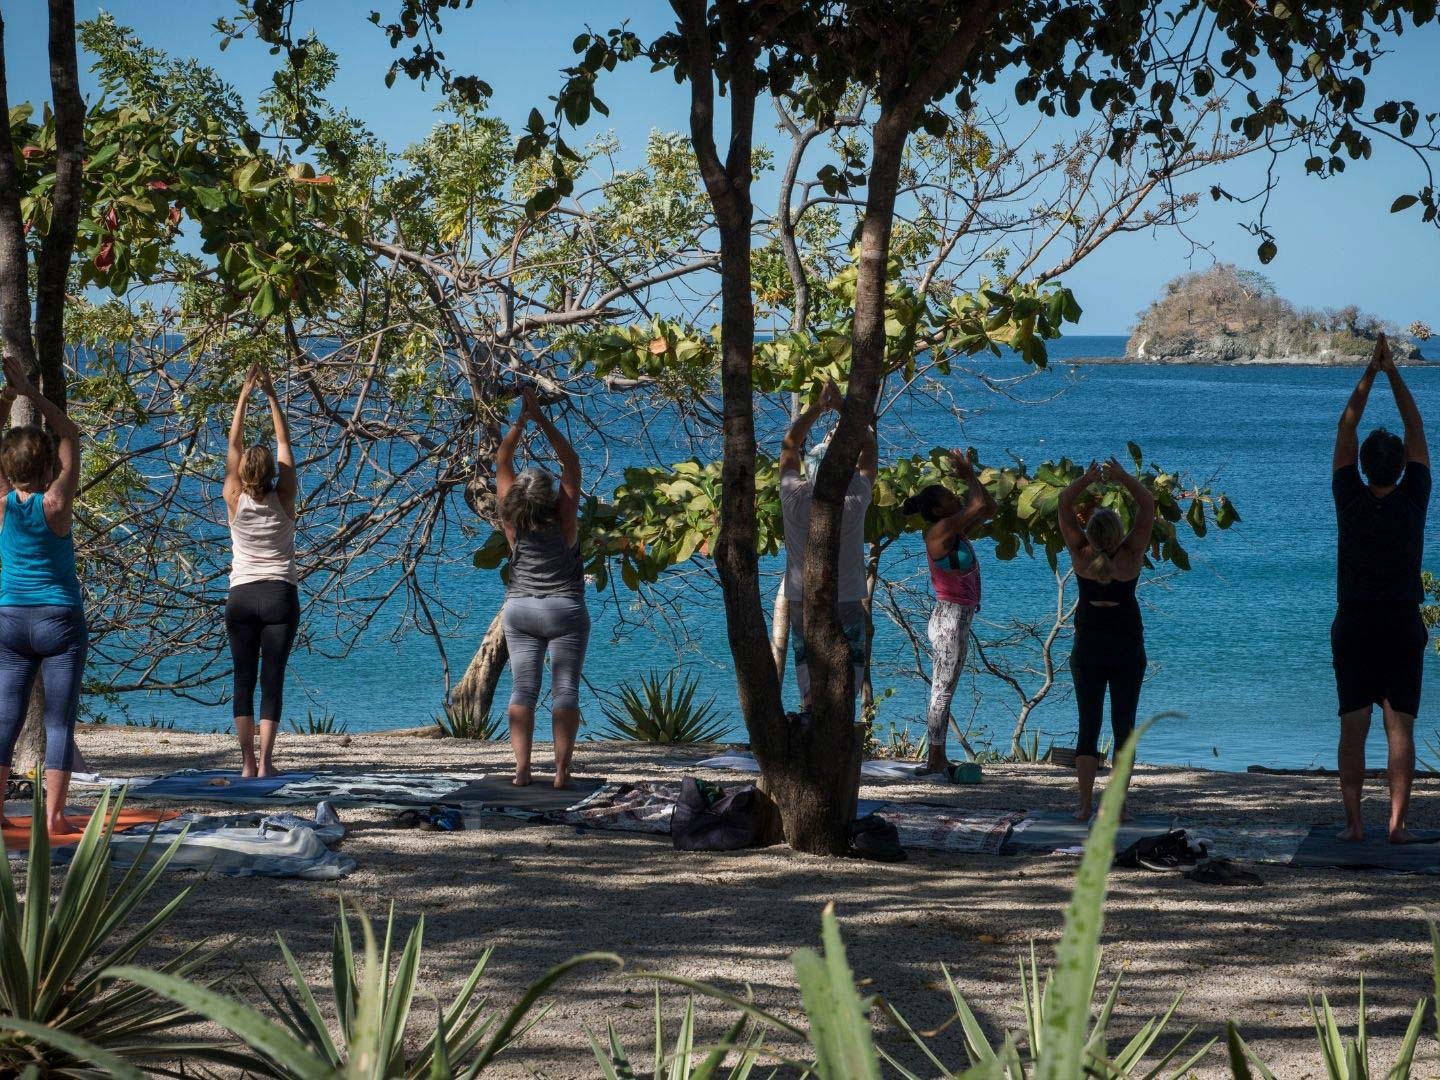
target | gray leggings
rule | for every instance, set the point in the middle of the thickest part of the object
(535, 625)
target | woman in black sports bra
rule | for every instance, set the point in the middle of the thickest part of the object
(1109, 648)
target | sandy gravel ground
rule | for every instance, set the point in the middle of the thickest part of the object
(540, 894)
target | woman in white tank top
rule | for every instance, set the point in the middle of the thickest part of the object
(262, 612)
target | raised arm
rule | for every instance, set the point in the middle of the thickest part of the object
(564, 453)
(1069, 521)
(60, 496)
(792, 447)
(505, 455)
(1139, 537)
(1347, 444)
(236, 446)
(7, 401)
(1415, 446)
(286, 481)
(979, 505)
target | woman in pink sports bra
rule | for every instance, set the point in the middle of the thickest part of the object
(955, 577)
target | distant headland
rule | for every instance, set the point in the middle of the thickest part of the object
(1229, 316)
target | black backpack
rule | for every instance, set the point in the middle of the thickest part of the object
(707, 819)
(872, 837)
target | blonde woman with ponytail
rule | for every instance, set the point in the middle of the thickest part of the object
(1109, 648)
(262, 612)
(545, 608)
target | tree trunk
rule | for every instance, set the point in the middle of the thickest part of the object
(30, 747)
(475, 692)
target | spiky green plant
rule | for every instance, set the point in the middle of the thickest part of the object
(59, 1012)
(457, 722)
(327, 723)
(373, 1004)
(1344, 1057)
(662, 709)
(683, 1060)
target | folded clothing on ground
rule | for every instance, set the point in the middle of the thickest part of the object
(243, 845)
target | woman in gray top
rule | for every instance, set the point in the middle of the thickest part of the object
(545, 599)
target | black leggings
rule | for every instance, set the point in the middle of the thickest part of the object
(261, 618)
(1098, 661)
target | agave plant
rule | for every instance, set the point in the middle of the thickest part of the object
(327, 723)
(1060, 1040)
(457, 722)
(373, 1004)
(661, 710)
(684, 1060)
(1344, 1058)
(58, 1011)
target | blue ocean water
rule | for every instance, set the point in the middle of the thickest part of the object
(1239, 646)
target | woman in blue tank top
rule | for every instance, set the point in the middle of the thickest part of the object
(42, 622)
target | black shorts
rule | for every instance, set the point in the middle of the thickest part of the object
(1379, 657)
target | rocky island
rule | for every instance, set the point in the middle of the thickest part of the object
(1226, 315)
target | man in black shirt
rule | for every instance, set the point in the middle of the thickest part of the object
(1378, 639)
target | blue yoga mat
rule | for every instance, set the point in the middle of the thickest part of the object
(202, 785)
(1056, 830)
(1323, 847)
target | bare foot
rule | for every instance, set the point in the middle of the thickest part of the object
(62, 826)
(1403, 835)
(1352, 833)
(268, 770)
(1084, 813)
(522, 778)
(562, 780)
(247, 772)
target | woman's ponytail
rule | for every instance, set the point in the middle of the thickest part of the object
(1106, 532)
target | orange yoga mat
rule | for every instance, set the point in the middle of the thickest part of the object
(17, 837)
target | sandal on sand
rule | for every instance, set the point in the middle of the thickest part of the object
(19, 789)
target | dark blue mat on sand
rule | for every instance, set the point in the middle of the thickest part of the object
(1323, 847)
(220, 785)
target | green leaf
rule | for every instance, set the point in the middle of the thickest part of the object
(839, 1026)
(74, 1046)
(241, 1020)
(1067, 1006)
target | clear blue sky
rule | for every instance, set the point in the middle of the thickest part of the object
(1338, 242)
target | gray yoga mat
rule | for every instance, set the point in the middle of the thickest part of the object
(540, 797)
(1323, 847)
(1057, 830)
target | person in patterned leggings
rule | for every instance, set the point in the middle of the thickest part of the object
(955, 576)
